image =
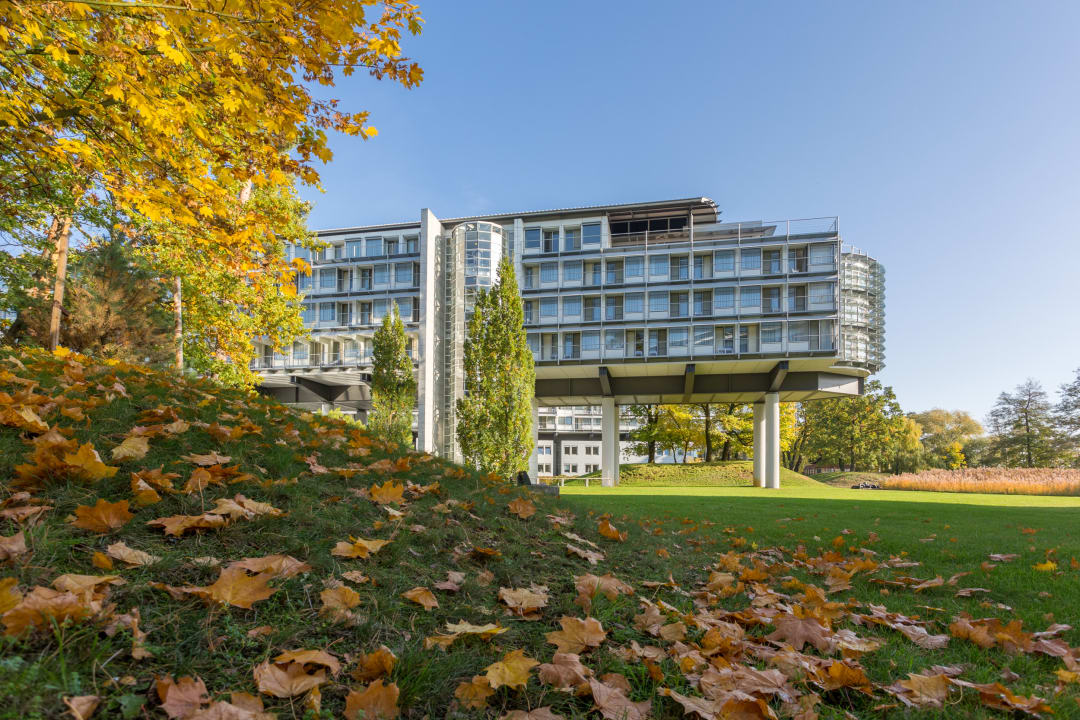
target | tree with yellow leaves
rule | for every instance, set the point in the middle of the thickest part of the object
(168, 108)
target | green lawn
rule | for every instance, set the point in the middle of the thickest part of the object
(733, 473)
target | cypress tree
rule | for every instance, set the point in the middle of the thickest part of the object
(393, 384)
(495, 416)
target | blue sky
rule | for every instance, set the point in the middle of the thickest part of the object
(944, 135)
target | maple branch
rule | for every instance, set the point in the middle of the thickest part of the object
(163, 6)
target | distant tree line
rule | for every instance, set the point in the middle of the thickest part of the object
(871, 432)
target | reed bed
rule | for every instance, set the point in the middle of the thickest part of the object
(1004, 481)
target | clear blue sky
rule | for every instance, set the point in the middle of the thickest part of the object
(944, 136)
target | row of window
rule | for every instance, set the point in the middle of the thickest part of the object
(721, 263)
(808, 335)
(406, 274)
(365, 247)
(668, 304)
(364, 312)
(570, 239)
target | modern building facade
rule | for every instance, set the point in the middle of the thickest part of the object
(633, 303)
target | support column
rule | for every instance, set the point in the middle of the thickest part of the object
(772, 440)
(609, 442)
(534, 470)
(759, 444)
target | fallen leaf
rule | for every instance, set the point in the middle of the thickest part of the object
(564, 672)
(614, 705)
(130, 556)
(421, 596)
(522, 507)
(82, 707)
(374, 665)
(87, 464)
(512, 671)
(235, 587)
(285, 681)
(337, 602)
(12, 547)
(577, 635)
(474, 694)
(376, 701)
(609, 531)
(524, 602)
(103, 517)
(358, 548)
(132, 448)
(388, 492)
(181, 698)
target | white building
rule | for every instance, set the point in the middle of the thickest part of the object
(634, 303)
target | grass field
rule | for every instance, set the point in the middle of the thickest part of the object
(416, 588)
(734, 473)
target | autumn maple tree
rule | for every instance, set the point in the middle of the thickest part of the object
(174, 113)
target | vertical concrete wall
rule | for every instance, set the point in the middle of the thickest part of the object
(427, 396)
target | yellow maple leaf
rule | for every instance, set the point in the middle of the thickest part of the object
(388, 492)
(577, 635)
(474, 694)
(87, 464)
(522, 507)
(512, 671)
(358, 548)
(376, 702)
(421, 596)
(235, 587)
(374, 665)
(609, 531)
(133, 448)
(103, 516)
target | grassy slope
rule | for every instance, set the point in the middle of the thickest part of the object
(734, 473)
(38, 669)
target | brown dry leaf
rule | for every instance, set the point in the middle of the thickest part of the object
(702, 707)
(144, 494)
(260, 631)
(800, 631)
(608, 585)
(235, 587)
(375, 702)
(12, 547)
(996, 695)
(374, 665)
(356, 576)
(40, 608)
(524, 602)
(564, 672)
(387, 493)
(485, 578)
(183, 697)
(132, 448)
(285, 681)
(103, 517)
(211, 458)
(358, 548)
(605, 528)
(130, 556)
(86, 585)
(614, 705)
(577, 635)
(102, 561)
(512, 671)
(421, 596)
(592, 556)
(922, 690)
(179, 524)
(462, 629)
(311, 657)
(155, 478)
(540, 713)
(82, 707)
(475, 693)
(337, 602)
(279, 566)
(87, 464)
(844, 675)
(673, 632)
(522, 507)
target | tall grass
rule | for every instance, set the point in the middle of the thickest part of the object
(1005, 481)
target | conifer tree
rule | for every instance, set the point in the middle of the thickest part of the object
(495, 416)
(393, 384)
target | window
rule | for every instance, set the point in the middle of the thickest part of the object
(327, 312)
(532, 238)
(378, 310)
(592, 273)
(382, 274)
(529, 307)
(571, 238)
(724, 261)
(365, 313)
(403, 274)
(549, 307)
(571, 449)
(680, 269)
(614, 272)
(703, 338)
(592, 309)
(572, 271)
(658, 302)
(679, 305)
(549, 272)
(797, 260)
(572, 347)
(613, 340)
(551, 241)
(770, 332)
(771, 300)
(702, 267)
(822, 254)
(635, 303)
(724, 298)
(796, 298)
(354, 248)
(301, 252)
(613, 309)
(658, 266)
(392, 246)
(373, 247)
(634, 268)
(303, 282)
(571, 306)
(590, 234)
(771, 261)
(750, 296)
(677, 338)
(363, 279)
(412, 244)
(328, 279)
(406, 308)
(530, 276)
(821, 293)
(744, 338)
(799, 331)
(751, 259)
(590, 341)
(657, 342)
(299, 351)
(703, 302)
(307, 314)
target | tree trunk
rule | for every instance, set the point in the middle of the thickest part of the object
(178, 332)
(62, 237)
(708, 432)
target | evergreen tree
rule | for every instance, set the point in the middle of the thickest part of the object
(393, 384)
(1023, 428)
(495, 416)
(1068, 416)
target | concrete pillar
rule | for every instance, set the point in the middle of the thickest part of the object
(534, 471)
(609, 442)
(772, 440)
(759, 444)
